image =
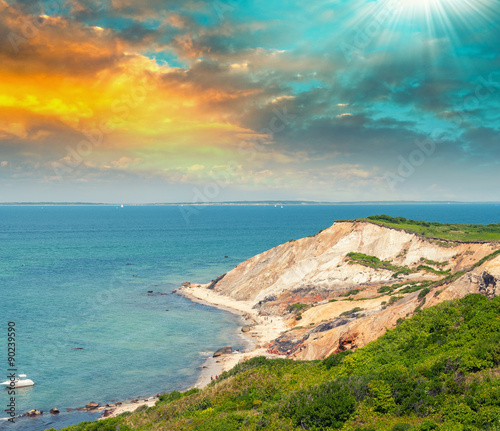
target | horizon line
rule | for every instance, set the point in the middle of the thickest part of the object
(255, 202)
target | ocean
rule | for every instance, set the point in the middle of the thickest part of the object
(75, 281)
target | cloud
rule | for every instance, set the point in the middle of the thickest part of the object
(125, 162)
(259, 94)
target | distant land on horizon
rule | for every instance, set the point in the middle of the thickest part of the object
(285, 202)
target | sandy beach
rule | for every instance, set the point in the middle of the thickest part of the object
(261, 332)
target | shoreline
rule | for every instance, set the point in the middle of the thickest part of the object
(256, 341)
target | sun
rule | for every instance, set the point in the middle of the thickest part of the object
(397, 30)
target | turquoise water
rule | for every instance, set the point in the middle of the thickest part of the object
(67, 281)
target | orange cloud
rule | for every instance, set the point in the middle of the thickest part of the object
(65, 81)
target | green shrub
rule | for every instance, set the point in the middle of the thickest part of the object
(335, 359)
(351, 292)
(321, 406)
(385, 289)
(169, 397)
(434, 263)
(393, 300)
(489, 416)
(202, 404)
(460, 413)
(423, 293)
(111, 424)
(382, 401)
(402, 427)
(354, 310)
(428, 426)
(142, 408)
(432, 270)
(297, 307)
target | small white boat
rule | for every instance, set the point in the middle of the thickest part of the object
(18, 382)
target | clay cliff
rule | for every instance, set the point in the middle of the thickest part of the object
(347, 285)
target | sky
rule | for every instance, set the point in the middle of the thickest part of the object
(228, 100)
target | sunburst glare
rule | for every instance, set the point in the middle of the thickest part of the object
(421, 28)
(443, 11)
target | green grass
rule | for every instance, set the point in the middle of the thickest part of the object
(429, 373)
(351, 292)
(432, 270)
(433, 262)
(392, 301)
(376, 263)
(409, 287)
(444, 231)
(354, 310)
(297, 307)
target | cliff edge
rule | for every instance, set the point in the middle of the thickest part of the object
(347, 285)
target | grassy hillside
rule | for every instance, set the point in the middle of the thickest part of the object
(447, 231)
(435, 371)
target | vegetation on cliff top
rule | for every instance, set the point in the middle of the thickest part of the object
(434, 371)
(446, 231)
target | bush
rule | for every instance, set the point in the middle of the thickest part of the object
(202, 404)
(383, 401)
(351, 292)
(459, 412)
(423, 293)
(112, 424)
(335, 359)
(428, 426)
(142, 408)
(394, 299)
(354, 310)
(172, 396)
(297, 307)
(325, 405)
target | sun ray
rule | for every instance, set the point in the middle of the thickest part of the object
(420, 29)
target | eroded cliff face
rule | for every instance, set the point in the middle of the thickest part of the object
(319, 263)
(362, 327)
(344, 303)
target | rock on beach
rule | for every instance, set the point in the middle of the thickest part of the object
(223, 351)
